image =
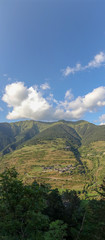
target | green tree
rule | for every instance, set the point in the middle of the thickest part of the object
(21, 208)
(55, 207)
(94, 226)
(102, 188)
(57, 231)
(73, 214)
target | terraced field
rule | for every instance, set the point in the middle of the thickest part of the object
(66, 155)
(54, 163)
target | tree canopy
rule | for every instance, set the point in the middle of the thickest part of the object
(37, 212)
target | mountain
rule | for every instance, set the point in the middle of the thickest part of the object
(12, 135)
(65, 154)
(6, 135)
(90, 132)
(58, 131)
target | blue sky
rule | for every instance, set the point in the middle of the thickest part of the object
(52, 60)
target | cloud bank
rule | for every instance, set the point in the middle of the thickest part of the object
(98, 61)
(30, 103)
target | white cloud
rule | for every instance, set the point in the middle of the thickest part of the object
(89, 103)
(68, 94)
(102, 119)
(30, 103)
(14, 94)
(45, 86)
(102, 123)
(51, 99)
(98, 61)
(26, 102)
(72, 70)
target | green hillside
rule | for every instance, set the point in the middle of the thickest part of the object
(58, 131)
(90, 133)
(16, 134)
(67, 155)
(79, 132)
(51, 162)
(6, 135)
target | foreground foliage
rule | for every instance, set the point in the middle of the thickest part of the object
(36, 212)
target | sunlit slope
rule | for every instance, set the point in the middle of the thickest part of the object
(93, 158)
(50, 161)
(67, 155)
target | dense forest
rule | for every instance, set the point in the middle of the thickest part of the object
(37, 212)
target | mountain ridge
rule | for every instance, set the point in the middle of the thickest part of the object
(13, 135)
